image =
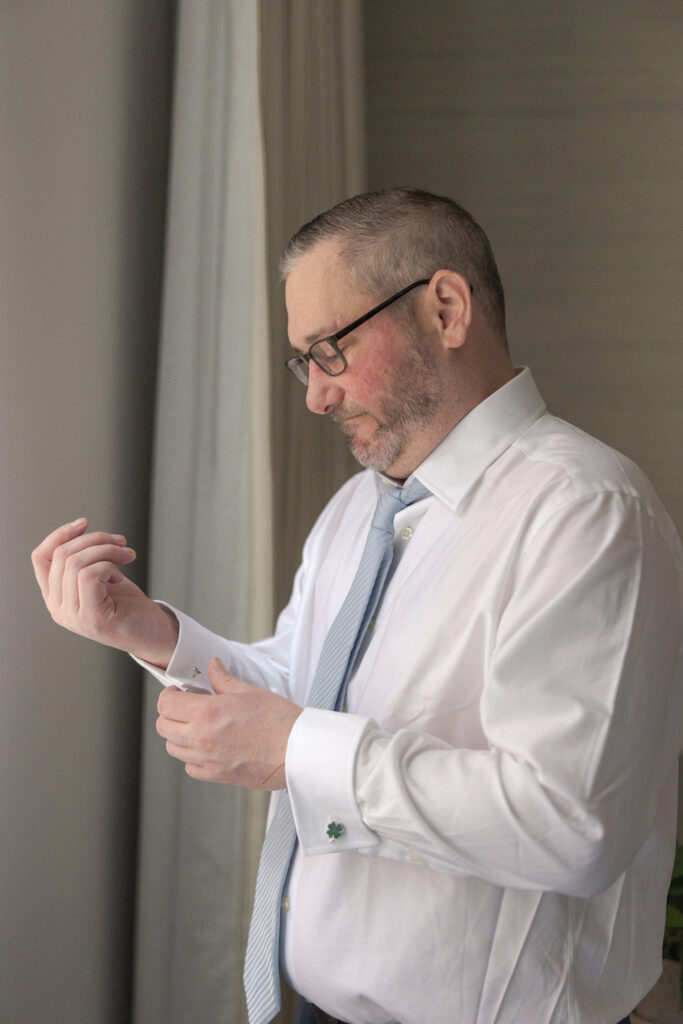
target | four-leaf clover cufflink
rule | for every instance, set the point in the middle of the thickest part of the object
(335, 830)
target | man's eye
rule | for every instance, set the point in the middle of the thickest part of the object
(324, 348)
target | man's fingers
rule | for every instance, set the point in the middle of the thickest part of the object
(42, 555)
(178, 705)
(50, 556)
(87, 586)
(70, 559)
(173, 732)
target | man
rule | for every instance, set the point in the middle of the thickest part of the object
(485, 805)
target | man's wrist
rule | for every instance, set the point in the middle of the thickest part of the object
(160, 652)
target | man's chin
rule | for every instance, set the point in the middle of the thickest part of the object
(371, 455)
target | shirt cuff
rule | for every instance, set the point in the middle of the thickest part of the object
(320, 760)
(188, 668)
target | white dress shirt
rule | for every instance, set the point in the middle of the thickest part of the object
(506, 774)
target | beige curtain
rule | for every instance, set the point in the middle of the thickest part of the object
(314, 119)
(287, 73)
(211, 517)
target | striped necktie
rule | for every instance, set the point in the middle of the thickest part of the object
(335, 665)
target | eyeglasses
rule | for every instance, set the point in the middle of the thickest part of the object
(326, 353)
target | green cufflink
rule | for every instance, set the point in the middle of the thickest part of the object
(335, 830)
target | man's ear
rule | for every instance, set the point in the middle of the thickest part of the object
(451, 297)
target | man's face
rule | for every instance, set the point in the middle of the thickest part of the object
(393, 387)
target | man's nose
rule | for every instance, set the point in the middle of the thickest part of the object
(324, 392)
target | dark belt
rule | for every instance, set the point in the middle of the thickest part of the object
(321, 1017)
(307, 1013)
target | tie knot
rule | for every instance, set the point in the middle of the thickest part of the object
(415, 491)
(393, 501)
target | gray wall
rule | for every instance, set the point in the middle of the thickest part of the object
(559, 127)
(84, 106)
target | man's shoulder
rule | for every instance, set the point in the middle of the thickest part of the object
(581, 464)
(559, 467)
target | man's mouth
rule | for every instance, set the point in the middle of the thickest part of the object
(346, 417)
(348, 424)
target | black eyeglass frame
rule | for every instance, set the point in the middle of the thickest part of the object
(302, 359)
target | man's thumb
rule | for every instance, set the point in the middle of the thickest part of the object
(219, 677)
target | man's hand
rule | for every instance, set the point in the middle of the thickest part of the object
(238, 736)
(86, 592)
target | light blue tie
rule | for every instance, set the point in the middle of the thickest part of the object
(337, 657)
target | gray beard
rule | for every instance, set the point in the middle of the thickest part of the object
(415, 395)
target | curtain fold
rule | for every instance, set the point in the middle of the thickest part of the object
(211, 518)
(312, 82)
(267, 130)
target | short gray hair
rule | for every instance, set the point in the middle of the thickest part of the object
(395, 236)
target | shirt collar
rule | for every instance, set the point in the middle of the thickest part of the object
(480, 438)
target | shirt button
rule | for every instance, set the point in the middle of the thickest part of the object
(416, 858)
(407, 532)
(284, 903)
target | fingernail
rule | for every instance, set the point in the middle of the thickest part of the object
(119, 538)
(78, 522)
